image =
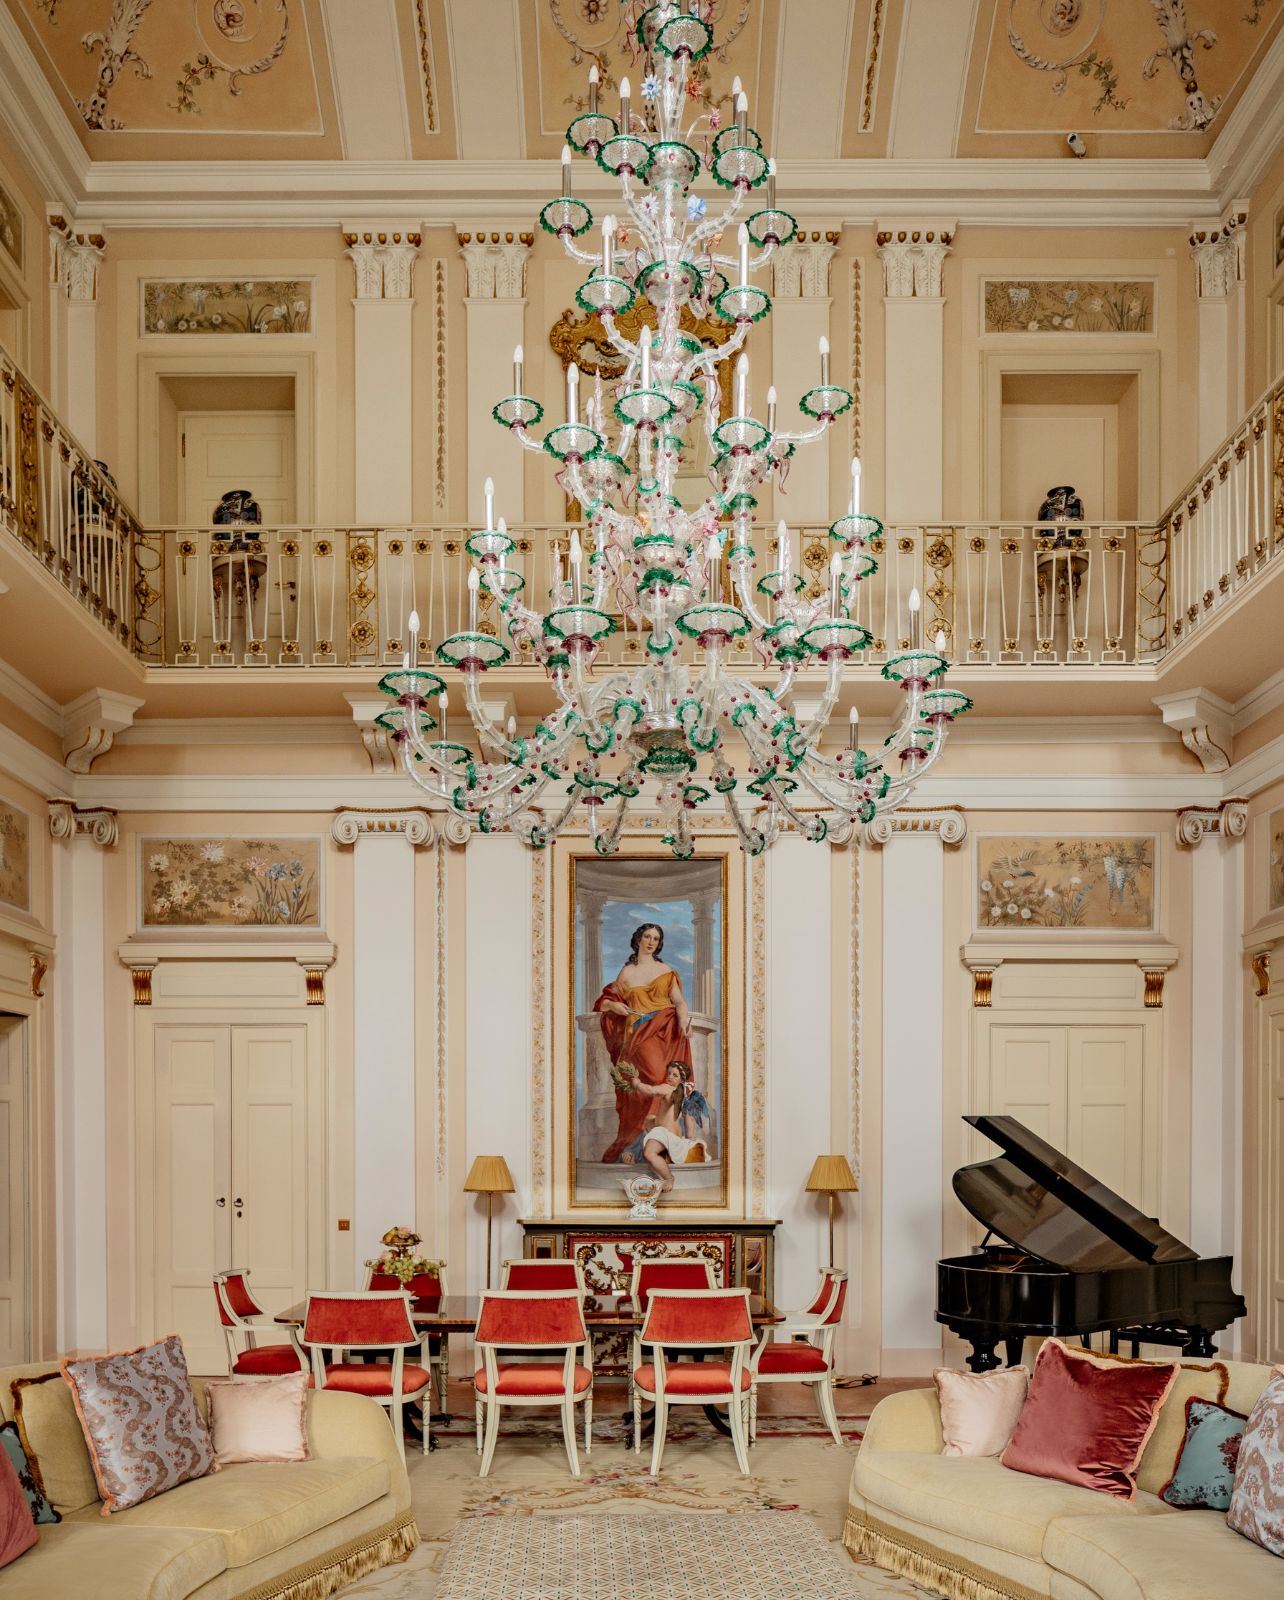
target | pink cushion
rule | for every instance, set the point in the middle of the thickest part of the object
(531, 1378)
(17, 1530)
(269, 1360)
(796, 1357)
(141, 1422)
(979, 1410)
(691, 1377)
(1257, 1498)
(375, 1380)
(1088, 1423)
(259, 1419)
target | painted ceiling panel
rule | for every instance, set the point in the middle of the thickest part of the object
(210, 79)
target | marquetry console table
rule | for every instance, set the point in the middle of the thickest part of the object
(741, 1250)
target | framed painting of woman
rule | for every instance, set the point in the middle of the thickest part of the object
(648, 1048)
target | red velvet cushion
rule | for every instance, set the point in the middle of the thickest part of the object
(17, 1530)
(541, 1275)
(1086, 1423)
(530, 1319)
(531, 1377)
(691, 1377)
(348, 1320)
(714, 1316)
(792, 1358)
(672, 1275)
(374, 1380)
(836, 1315)
(269, 1360)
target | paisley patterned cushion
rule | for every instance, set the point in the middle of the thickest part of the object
(1257, 1500)
(1205, 1467)
(28, 1475)
(142, 1424)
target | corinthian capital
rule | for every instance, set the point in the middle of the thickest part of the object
(74, 258)
(913, 257)
(384, 260)
(1219, 260)
(801, 269)
(496, 264)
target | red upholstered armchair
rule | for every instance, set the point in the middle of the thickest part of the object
(530, 1321)
(668, 1272)
(695, 1320)
(427, 1289)
(352, 1320)
(242, 1316)
(804, 1360)
(543, 1274)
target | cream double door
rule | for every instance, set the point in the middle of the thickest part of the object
(231, 1164)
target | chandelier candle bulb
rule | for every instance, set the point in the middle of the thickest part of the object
(771, 184)
(566, 172)
(511, 727)
(853, 719)
(488, 490)
(625, 92)
(915, 620)
(646, 358)
(940, 641)
(593, 82)
(742, 235)
(608, 246)
(572, 394)
(742, 386)
(712, 559)
(472, 599)
(519, 360)
(443, 705)
(771, 409)
(824, 362)
(742, 117)
(502, 527)
(855, 486)
(835, 567)
(577, 559)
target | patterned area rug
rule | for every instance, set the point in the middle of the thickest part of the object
(793, 1471)
(757, 1556)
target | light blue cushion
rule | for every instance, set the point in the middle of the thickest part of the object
(1205, 1469)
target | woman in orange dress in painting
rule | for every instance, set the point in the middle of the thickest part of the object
(646, 1025)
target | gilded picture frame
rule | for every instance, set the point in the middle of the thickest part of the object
(616, 1074)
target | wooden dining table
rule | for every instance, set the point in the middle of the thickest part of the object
(458, 1313)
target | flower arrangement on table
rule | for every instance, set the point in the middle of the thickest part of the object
(399, 1259)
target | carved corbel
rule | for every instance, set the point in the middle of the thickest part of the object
(39, 970)
(1203, 720)
(378, 741)
(91, 723)
(947, 822)
(1229, 819)
(1260, 962)
(141, 973)
(94, 822)
(411, 823)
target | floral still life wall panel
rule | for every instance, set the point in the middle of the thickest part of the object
(1275, 835)
(1093, 883)
(15, 857)
(648, 1041)
(198, 882)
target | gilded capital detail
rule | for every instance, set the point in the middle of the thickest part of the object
(74, 259)
(384, 262)
(801, 270)
(914, 260)
(1229, 819)
(98, 823)
(947, 822)
(496, 264)
(413, 824)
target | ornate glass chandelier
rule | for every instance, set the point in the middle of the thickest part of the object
(656, 563)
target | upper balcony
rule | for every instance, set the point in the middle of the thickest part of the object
(1092, 618)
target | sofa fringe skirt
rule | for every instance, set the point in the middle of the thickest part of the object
(316, 1579)
(926, 1564)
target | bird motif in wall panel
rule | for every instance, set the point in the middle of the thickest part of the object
(226, 305)
(132, 68)
(1089, 883)
(15, 857)
(10, 227)
(195, 881)
(1275, 837)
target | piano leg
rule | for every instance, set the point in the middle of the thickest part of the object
(983, 1357)
(1012, 1350)
(1200, 1343)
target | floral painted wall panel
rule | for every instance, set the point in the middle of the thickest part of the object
(1075, 305)
(1093, 883)
(10, 226)
(1275, 833)
(227, 305)
(197, 882)
(15, 857)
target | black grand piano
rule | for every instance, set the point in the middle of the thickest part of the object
(1076, 1260)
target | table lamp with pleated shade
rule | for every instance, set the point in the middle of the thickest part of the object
(831, 1175)
(489, 1175)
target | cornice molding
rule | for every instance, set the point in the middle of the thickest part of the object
(1253, 132)
(34, 119)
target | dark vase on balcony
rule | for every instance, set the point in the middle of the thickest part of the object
(237, 509)
(1061, 506)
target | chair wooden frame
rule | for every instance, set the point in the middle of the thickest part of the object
(439, 1364)
(395, 1402)
(488, 1401)
(736, 1399)
(813, 1324)
(233, 1322)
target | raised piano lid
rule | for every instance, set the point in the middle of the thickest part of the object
(1042, 1202)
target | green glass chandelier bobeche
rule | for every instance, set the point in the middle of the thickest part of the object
(616, 732)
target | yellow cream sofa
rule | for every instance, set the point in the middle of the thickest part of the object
(258, 1531)
(971, 1529)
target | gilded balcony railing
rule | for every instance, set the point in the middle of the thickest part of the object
(64, 509)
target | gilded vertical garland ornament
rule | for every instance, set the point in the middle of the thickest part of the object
(680, 576)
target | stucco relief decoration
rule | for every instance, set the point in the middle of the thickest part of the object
(1091, 883)
(1275, 834)
(150, 63)
(197, 882)
(1064, 36)
(15, 857)
(10, 227)
(603, 33)
(226, 305)
(1076, 305)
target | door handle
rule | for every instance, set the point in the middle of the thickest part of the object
(238, 1201)
(221, 1201)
